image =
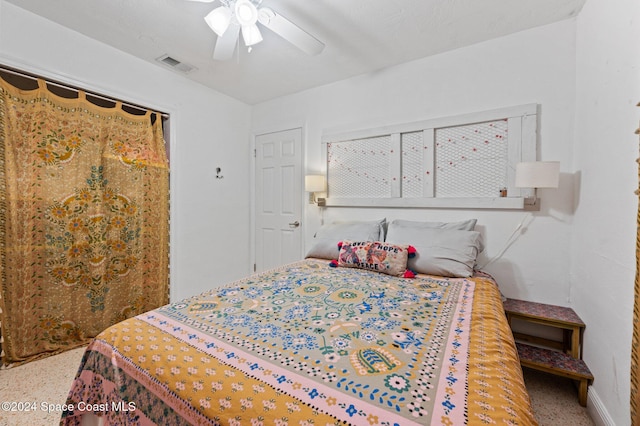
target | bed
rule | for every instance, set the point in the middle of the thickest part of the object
(310, 344)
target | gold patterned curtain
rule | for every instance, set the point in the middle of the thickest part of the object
(84, 220)
(635, 350)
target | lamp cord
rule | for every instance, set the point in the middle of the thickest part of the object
(512, 239)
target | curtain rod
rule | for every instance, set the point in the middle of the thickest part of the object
(75, 89)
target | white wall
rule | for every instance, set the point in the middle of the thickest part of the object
(209, 232)
(604, 233)
(535, 66)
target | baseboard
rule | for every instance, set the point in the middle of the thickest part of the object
(597, 410)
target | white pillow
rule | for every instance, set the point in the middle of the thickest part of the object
(325, 241)
(444, 252)
(464, 225)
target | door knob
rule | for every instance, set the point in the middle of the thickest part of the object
(294, 224)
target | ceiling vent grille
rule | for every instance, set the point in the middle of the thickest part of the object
(175, 64)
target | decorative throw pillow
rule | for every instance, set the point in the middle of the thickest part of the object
(376, 256)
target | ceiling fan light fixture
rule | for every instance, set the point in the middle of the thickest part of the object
(219, 19)
(251, 34)
(235, 16)
(246, 12)
(265, 15)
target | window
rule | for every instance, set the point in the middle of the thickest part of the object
(465, 161)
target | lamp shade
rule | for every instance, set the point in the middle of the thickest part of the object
(246, 13)
(251, 35)
(219, 19)
(538, 174)
(314, 183)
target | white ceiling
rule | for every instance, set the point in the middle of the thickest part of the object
(361, 36)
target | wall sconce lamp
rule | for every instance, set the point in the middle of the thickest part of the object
(314, 184)
(537, 174)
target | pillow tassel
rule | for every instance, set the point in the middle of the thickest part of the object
(340, 245)
(412, 252)
(409, 274)
(333, 263)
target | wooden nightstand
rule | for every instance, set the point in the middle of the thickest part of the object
(559, 358)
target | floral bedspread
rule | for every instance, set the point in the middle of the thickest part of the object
(307, 344)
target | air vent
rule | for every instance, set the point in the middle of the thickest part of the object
(175, 64)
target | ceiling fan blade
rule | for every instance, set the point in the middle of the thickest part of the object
(226, 44)
(290, 31)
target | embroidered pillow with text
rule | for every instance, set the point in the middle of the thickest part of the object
(376, 256)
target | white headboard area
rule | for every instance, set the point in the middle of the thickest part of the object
(464, 161)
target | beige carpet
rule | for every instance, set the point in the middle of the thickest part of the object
(47, 381)
(555, 400)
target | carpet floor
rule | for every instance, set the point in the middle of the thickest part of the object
(47, 382)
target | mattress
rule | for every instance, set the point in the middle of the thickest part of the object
(307, 344)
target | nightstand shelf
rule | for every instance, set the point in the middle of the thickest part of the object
(558, 363)
(551, 316)
(559, 358)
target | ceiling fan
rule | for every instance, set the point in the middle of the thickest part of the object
(235, 16)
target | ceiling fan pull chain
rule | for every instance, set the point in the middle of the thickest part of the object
(238, 50)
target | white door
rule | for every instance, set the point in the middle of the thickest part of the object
(278, 202)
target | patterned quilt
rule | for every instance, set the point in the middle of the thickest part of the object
(307, 344)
